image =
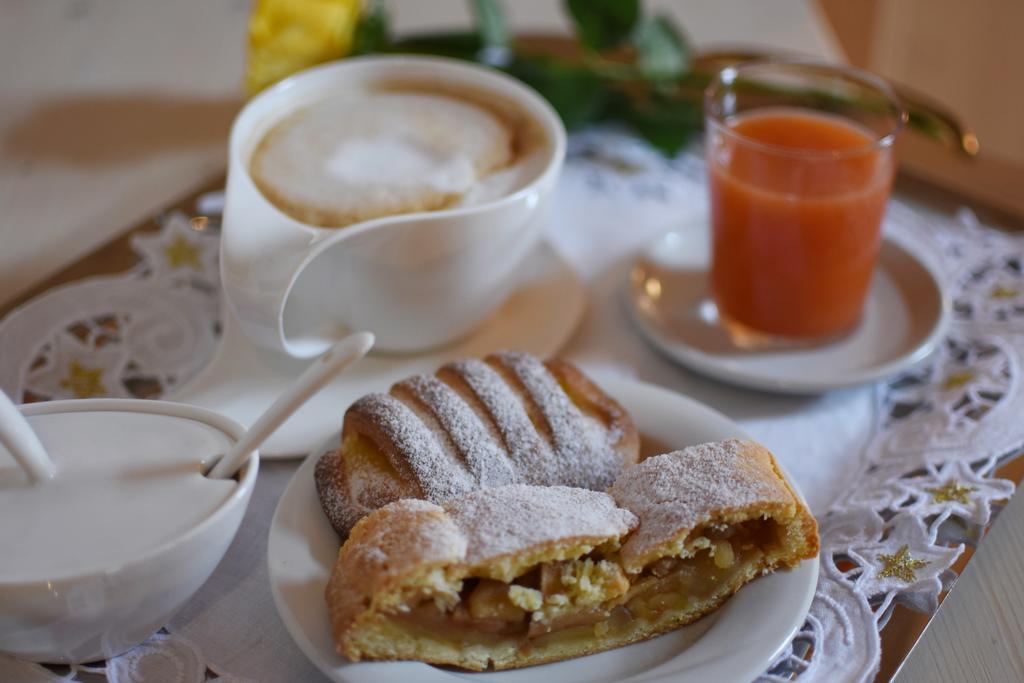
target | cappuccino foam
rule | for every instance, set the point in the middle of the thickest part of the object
(351, 158)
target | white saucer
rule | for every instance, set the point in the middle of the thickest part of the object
(905, 316)
(243, 379)
(734, 645)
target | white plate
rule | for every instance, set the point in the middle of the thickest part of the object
(735, 644)
(905, 316)
(243, 379)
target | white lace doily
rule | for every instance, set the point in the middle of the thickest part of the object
(923, 486)
(133, 335)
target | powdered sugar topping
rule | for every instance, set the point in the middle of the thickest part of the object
(400, 536)
(677, 491)
(509, 519)
(475, 424)
(533, 457)
(438, 475)
(484, 457)
(584, 451)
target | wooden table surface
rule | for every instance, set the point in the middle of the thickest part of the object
(111, 108)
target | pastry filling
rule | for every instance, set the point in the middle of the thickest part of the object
(593, 596)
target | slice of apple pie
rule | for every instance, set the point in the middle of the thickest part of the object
(518, 575)
(506, 576)
(712, 518)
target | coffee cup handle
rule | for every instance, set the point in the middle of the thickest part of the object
(263, 252)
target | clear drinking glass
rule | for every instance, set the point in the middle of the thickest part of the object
(800, 167)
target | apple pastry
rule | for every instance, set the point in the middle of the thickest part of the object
(712, 517)
(501, 577)
(518, 575)
(507, 419)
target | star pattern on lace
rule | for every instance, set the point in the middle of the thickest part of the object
(956, 380)
(941, 405)
(83, 381)
(905, 529)
(952, 490)
(181, 253)
(976, 379)
(78, 368)
(991, 288)
(900, 565)
(1004, 292)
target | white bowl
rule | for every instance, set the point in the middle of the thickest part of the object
(80, 616)
(416, 280)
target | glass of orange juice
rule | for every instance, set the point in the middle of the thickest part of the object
(800, 166)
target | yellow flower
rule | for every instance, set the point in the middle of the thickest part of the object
(286, 36)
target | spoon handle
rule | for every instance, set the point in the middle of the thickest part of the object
(17, 437)
(322, 370)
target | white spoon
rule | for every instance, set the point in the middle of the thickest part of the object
(322, 370)
(20, 440)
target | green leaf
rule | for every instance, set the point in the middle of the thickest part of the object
(490, 23)
(577, 94)
(666, 123)
(661, 50)
(371, 33)
(926, 124)
(458, 45)
(603, 24)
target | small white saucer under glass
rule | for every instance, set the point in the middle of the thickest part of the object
(243, 379)
(733, 645)
(905, 316)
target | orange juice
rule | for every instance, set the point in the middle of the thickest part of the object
(797, 199)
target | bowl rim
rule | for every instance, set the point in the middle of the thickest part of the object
(245, 479)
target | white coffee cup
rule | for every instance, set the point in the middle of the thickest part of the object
(415, 280)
